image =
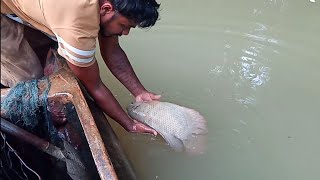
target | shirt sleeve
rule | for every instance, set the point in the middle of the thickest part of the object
(75, 24)
(76, 47)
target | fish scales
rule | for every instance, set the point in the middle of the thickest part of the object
(155, 114)
(176, 124)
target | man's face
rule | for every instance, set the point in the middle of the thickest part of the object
(115, 24)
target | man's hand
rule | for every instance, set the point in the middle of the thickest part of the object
(137, 127)
(147, 96)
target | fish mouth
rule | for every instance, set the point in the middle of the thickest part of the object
(130, 106)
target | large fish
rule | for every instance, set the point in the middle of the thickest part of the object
(182, 128)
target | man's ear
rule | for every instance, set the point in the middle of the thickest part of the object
(106, 8)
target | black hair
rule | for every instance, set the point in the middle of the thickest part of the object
(143, 12)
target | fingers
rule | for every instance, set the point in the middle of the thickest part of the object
(147, 97)
(156, 97)
(149, 131)
(141, 128)
(144, 129)
(138, 99)
(143, 97)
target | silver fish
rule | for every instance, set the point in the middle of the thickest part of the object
(181, 127)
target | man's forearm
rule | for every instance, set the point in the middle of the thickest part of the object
(118, 63)
(90, 78)
(104, 99)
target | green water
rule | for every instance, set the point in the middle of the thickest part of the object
(251, 68)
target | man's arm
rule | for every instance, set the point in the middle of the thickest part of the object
(118, 63)
(90, 78)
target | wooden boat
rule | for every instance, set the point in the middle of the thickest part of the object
(103, 155)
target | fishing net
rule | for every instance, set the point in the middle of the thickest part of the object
(12, 165)
(26, 106)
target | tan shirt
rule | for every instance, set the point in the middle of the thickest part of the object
(75, 23)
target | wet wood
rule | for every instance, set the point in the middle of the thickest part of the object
(119, 160)
(64, 84)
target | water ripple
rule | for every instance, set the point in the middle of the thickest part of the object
(248, 64)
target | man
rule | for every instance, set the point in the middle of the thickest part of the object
(76, 24)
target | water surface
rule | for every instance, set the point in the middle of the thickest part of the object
(251, 68)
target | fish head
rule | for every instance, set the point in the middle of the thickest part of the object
(133, 110)
(134, 105)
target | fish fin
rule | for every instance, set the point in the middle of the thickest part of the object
(174, 142)
(196, 121)
(196, 142)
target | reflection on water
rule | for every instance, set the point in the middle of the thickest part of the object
(251, 68)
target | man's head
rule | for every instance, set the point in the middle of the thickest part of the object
(117, 17)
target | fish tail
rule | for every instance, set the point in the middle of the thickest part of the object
(196, 144)
(196, 121)
(197, 141)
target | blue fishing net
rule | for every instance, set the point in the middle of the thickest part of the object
(26, 107)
